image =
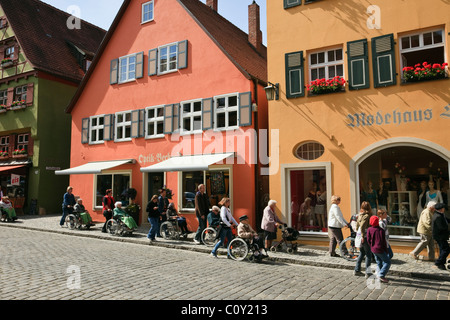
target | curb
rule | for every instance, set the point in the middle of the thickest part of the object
(202, 249)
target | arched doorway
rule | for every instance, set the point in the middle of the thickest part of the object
(396, 176)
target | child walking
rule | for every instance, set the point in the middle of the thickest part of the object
(376, 237)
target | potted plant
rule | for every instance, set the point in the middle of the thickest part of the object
(19, 104)
(4, 154)
(20, 153)
(425, 71)
(7, 62)
(321, 86)
(3, 108)
(133, 208)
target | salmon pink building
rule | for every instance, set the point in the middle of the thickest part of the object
(175, 97)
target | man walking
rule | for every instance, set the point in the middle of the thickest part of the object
(424, 228)
(441, 234)
(201, 211)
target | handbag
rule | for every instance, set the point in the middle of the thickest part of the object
(358, 238)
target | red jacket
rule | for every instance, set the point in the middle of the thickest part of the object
(376, 238)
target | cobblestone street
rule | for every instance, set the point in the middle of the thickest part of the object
(38, 265)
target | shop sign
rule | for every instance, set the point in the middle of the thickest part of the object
(394, 117)
(153, 157)
(15, 180)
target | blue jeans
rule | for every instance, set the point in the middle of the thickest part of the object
(364, 253)
(383, 262)
(224, 233)
(66, 211)
(444, 251)
(153, 229)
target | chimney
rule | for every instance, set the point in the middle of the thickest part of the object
(254, 27)
(212, 4)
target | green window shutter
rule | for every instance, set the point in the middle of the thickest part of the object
(108, 132)
(182, 60)
(207, 113)
(85, 130)
(291, 3)
(168, 119)
(139, 65)
(152, 62)
(358, 64)
(294, 75)
(383, 60)
(245, 109)
(114, 71)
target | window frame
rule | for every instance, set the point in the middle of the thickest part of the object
(10, 52)
(4, 144)
(4, 97)
(191, 115)
(226, 110)
(19, 96)
(155, 120)
(107, 173)
(151, 2)
(421, 46)
(128, 78)
(326, 64)
(97, 129)
(124, 124)
(160, 55)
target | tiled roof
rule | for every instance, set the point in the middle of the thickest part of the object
(232, 40)
(45, 39)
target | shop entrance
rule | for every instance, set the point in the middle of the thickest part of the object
(401, 180)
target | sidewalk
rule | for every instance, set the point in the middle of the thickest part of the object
(402, 264)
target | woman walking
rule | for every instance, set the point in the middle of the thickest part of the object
(227, 221)
(363, 222)
(336, 222)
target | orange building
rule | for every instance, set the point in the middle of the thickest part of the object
(175, 98)
(363, 110)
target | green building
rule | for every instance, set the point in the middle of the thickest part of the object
(44, 54)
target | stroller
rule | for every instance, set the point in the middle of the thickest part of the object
(288, 236)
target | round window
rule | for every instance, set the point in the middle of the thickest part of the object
(309, 151)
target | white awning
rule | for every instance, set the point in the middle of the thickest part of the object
(94, 167)
(188, 163)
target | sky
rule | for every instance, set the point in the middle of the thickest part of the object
(102, 12)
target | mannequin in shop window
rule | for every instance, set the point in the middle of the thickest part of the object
(382, 195)
(422, 198)
(312, 196)
(433, 194)
(370, 195)
(321, 197)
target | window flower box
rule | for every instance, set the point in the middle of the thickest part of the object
(7, 62)
(3, 109)
(17, 105)
(322, 86)
(425, 71)
(4, 155)
(20, 153)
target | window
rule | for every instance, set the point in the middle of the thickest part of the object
(217, 184)
(9, 52)
(191, 116)
(123, 126)
(309, 151)
(226, 111)
(4, 144)
(96, 131)
(427, 46)
(326, 64)
(20, 93)
(22, 142)
(154, 122)
(118, 182)
(3, 97)
(147, 12)
(127, 68)
(167, 59)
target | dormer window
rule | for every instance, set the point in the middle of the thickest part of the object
(9, 52)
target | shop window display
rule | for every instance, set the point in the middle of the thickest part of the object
(308, 196)
(403, 180)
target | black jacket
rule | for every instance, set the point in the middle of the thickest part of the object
(201, 204)
(440, 227)
(152, 209)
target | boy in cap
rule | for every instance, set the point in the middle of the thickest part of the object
(441, 234)
(245, 231)
(376, 238)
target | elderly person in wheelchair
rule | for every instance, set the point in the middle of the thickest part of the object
(121, 215)
(253, 242)
(7, 210)
(82, 213)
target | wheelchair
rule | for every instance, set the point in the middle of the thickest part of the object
(5, 216)
(116, 226)
(170, 230)
(74, 221)
(209, 236)
(240, 249)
